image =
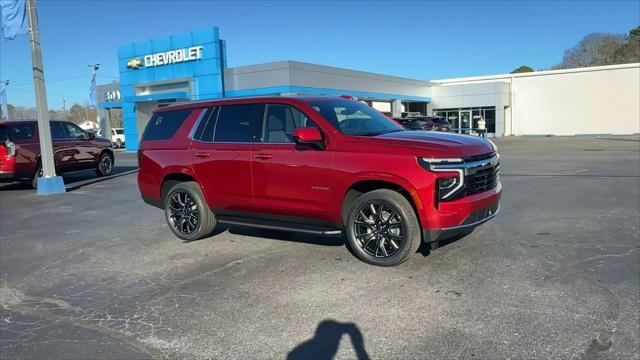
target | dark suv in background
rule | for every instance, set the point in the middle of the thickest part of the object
(433, 123)
(73, 149)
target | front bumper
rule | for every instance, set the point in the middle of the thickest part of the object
(472, 221)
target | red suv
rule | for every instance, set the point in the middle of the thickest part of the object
(74, 149)
(319, 165)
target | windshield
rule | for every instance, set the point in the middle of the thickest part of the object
(119, 131)
(354, 118)
(441, 121)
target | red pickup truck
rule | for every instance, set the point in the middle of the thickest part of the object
(321, 165)
(74, 149)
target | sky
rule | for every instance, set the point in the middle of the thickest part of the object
(416, 39)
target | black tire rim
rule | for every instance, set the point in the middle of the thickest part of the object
(379, 229)
(106, 165)
(183, 212)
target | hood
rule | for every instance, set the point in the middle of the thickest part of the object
(437, 144)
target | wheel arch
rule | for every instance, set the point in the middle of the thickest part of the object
(171, 179)
(364, 185)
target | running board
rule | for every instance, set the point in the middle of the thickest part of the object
(281, 226)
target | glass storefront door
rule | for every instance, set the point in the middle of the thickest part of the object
(465, 122)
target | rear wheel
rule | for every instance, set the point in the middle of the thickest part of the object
(382, 228)
(187, 212)
(105, 164)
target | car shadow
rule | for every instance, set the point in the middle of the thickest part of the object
(326, 339)
(425, 248)
(75, 180)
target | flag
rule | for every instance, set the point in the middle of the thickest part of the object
(92, 90)
(3, 101)
(14, 18)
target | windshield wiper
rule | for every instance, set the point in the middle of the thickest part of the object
(376, 133)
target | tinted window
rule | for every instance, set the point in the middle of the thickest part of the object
(21, 132)
(119, 131)
(57, 131)
(74, 132)
(204, 132)
(354, 118)
(164, 125)
(281, 120)
(239, 123)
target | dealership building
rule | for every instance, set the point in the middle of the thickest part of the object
(193, 66)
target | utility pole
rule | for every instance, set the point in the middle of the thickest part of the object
(48, 182)
(64, 109)
(94, 68)
(5, 112)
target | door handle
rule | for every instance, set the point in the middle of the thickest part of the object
(264, 156)
(203, 155)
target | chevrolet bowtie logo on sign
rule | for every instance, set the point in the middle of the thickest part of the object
(167, 58)
(134, 64)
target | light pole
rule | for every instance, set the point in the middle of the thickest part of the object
(94, 68)
(48, 182)
(5, 107)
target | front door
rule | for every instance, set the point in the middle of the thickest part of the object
(290, 179)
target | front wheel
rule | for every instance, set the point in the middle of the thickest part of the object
(105, 164)
(382, 228)
(187, 212)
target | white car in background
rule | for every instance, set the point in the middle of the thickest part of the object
(117, 137)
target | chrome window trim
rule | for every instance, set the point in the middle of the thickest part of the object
(196, 125)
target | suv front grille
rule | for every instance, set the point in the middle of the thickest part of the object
(473, 158)
(482, 180)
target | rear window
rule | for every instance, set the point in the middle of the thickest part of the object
(164, 125)
(18, 132)
(239, 123)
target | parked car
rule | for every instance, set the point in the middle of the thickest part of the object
(117, 137)
(433, 123)
(73, 149)
(320, 165)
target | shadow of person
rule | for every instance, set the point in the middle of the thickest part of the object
(325, 342)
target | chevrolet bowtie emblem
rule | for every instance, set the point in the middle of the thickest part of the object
(134, 64)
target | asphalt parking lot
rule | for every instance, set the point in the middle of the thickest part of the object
(96, 273)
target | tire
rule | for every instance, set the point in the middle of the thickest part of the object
(105, 164)
(386, 236)
(36, 175)
(186, 201)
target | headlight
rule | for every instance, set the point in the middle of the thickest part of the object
(446, 186)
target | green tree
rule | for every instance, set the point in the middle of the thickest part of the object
(523, 69)
(76, 114)
(603, 49)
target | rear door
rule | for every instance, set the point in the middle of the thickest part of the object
(221, 153)
(290, 179)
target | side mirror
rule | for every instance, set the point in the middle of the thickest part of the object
(308, 135)
(90, 135)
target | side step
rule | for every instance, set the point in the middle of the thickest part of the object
(282, 226)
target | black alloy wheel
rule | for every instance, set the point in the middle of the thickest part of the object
(382, 228)
(183, 212)
(187, 212)
(379, 230)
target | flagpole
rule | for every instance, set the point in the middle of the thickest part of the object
(48, 183)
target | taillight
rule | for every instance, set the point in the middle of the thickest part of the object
(10, 148)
